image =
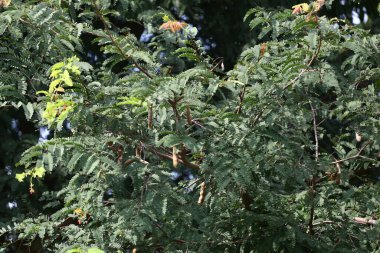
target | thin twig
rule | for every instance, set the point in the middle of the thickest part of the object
(217, 64)
(181, 159)
(310, 228)
(198, 124)
(323, 222)
(258, 116)
(241, 98)
(313, 182)
(315, 131)
(173, 104)
(354, 156)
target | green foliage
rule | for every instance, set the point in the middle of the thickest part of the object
(283, 148)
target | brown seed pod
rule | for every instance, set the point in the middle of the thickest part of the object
(120, 154)
(202, 193)
(150, 117)
(138, 152)
(129, 162)
(188, 115)
(5, 3)
(263, 48)
(175, 157)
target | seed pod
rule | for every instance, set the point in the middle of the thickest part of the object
(150, 117)
(358, 137)
(188, 115)
(5, 3)
(138, 152)
(175, 157)
(263, 48)
(119, 154)
(202, 193)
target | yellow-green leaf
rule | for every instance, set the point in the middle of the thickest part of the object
(55, 73)
(39, 172)
(57, 66)
(53, 85)
(304, 7)
(66, 78)
(20, 177)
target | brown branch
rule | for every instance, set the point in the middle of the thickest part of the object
(189, 119)
(198, 124)
(241, 98)
(181, 159)
(258, 116)
(313, 182)
(187, 163)
(315, 131)
(354, 156)
(310, 227)
(109, 33)
(150, 117)
(173, 104)
(217, 64)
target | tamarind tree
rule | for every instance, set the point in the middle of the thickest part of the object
(156, 147)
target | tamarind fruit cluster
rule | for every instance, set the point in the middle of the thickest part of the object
(150, 117)
(188, 115)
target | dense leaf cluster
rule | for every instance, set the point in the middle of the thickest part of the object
(155, 148)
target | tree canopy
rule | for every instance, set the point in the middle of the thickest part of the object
(189, 126)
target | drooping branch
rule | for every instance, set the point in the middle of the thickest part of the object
(313, 113)
(180, 158)
(357, 155)
(313, 182)
(241, 98)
